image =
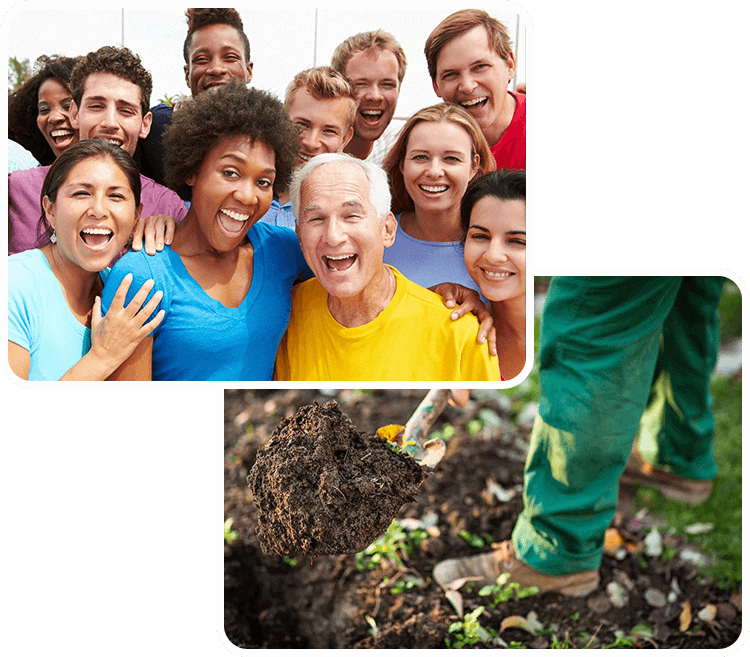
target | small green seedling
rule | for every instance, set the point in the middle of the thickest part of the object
(469, 631)
(501, 592)
(392, 547)
(230, 535)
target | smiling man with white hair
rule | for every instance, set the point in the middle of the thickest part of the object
(360, 319)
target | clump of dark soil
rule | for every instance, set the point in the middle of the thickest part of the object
(322, 487)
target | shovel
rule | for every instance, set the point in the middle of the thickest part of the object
(411, 437)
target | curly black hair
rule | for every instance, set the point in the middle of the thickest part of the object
(199, 18)
(503, 184)
(22, 105)
(228, 111)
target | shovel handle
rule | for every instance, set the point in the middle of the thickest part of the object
(421, 420)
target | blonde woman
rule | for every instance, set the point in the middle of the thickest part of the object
(439, 152)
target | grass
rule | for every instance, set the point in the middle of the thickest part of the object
(724, 507)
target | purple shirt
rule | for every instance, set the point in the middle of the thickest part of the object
(25, 190)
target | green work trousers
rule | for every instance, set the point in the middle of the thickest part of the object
(618, 356)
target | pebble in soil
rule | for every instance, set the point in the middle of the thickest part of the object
(322, 487)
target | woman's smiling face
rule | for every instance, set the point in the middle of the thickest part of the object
(93, 214)
(438, 165)
(495, 248)
(232, 190)
(53, 115)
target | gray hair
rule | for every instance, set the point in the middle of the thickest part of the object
(380, 192)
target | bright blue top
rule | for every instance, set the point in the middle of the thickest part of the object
(200, 339)
(40, 320)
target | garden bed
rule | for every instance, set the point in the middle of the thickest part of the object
(388, 599)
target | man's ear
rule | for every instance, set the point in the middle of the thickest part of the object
(146, 125)
(73, 113)
(347, 138)
(249, 74)
(389, 229)
(187, 76)
(435, 88)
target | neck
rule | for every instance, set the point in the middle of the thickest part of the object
(433, 226)
(495, 131)
(364, 307)
(79, 286)
(358, 147)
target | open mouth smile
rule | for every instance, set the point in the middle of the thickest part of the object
(372, 116)
(96, 238)
(339, 263)
(232, 222)
(497, 275)
(474, 103)
(61, 135)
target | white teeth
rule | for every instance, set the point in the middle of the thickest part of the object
(236, 215)
(340, 257)
(372, 112)
(497, 274)
(474, 101)
(434, 189)
(97, 231)
(306, 158)
(61, 133)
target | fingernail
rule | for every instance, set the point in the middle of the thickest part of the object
(454, 315)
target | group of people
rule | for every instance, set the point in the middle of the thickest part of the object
(255, 239)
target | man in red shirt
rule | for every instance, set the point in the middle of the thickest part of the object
(471, 63)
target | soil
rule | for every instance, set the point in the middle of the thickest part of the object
(350, 601)
(322, 487)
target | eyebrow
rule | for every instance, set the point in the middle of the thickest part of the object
(88, 185)
(487, 230)
(118, 101)
(243, 160)
(350, 203)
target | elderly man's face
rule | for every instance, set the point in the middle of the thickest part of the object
(342, 237)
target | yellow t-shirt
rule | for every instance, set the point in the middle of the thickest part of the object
(413, 339)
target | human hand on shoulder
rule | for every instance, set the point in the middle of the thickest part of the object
(463, 300)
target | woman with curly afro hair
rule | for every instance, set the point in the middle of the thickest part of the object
(226, 278)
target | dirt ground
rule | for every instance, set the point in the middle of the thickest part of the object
(336, 602)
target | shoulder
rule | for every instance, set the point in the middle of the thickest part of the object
(27, 178)
(158, 199)
(26, 266)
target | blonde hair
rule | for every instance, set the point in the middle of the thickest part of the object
(369, 42)
(323, 83)
(440, 113)
(459, 23)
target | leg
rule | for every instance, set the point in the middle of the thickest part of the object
(600, 339)
(678, 429)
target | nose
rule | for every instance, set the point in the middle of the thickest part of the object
(245, 193)
(466, 83)
(435, 167)
(310, 139)
(334, 233)
(216, 68)
(372, 92)
(57, 115)
(496, 252)
(109, 118)
(97, 206)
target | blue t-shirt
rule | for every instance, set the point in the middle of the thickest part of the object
(428, 263)
(200, 339)
(40, 320)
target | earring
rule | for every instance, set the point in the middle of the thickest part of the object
(53, 237)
